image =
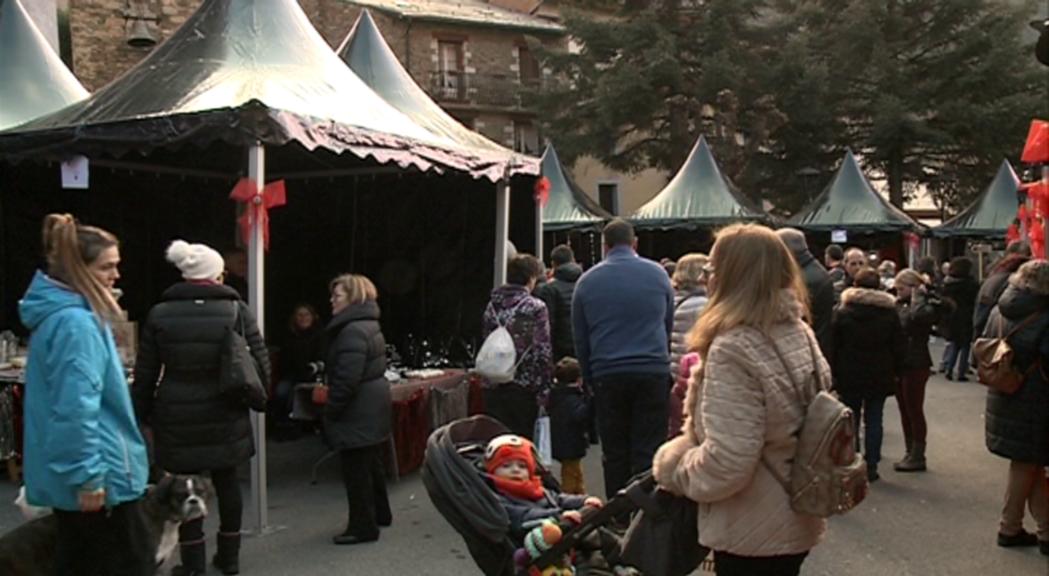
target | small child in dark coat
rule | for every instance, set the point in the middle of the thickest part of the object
(569, 420)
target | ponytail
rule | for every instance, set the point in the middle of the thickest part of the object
(70, 247)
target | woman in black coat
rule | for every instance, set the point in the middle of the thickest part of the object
(866, 357)
(1017, 425)
(960, 289)
(176, 393)
(357, 415)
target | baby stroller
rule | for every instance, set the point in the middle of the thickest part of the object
(453, 473)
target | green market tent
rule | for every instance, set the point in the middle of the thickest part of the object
(370, 57)
(699, 196)
(33, 79)
(243, 72)
(568, 207)
(991, 214)
(850, 203)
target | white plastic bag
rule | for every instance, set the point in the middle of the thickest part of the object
(497, 358)
(541, 435)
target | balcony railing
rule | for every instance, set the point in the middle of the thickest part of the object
(500, 90)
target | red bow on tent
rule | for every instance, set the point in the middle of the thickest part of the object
(542, 190)
(1036, 150)
(257, 206)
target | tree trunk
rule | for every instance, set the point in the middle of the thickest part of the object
(896, 178)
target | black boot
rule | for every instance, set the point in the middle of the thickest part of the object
(227, 558)
(194, 557)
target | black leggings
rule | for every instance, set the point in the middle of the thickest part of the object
(231, 507)
(112, 542)
(726, 564)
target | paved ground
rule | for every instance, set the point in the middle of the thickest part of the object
(941, 522)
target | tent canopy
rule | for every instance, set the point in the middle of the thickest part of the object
(850, 203)
(33, 79)
(370, 57)
(991, 214)
(245, 71)
(699, 196)
(568, 207)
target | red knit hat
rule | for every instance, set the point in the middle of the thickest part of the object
(508, 447)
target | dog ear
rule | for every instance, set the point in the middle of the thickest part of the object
(162, 490)
(207, 488)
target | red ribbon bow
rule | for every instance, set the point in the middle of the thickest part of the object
(542, 190)
(257, 206)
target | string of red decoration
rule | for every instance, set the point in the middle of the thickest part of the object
(257, 204)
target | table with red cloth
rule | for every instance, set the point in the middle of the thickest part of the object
(412, 414)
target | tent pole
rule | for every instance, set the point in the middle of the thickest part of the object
(539, 230)
(502, 228)
(256, 301)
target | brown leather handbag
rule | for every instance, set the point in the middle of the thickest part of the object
(994, 359)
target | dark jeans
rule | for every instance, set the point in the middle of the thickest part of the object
(231, 507)
(956, 353)
(632, 419)
(515, 406)
(726, 564)
(911, 399)
(112, 542)
(871, 411)
(280, 402)
(365, 481)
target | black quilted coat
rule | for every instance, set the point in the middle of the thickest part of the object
(176, 379)
(358, 409)
(1018, 425)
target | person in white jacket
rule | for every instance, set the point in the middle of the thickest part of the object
(742, 411)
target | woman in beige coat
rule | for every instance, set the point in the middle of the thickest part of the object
(742, 412)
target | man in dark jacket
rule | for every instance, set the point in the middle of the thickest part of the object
(557, 295)
(817, 281)
(959, 290)
(622, 317)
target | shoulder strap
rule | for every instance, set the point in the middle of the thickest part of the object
(1031, 318)
(238, 320)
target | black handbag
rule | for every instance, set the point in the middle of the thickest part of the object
(239, 378)
(663, 537)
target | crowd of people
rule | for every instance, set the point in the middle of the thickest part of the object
(690, 373)
(683, 356)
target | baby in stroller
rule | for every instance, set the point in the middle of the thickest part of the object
(494, 525)
(510, 463)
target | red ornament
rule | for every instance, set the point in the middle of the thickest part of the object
(1012, 234)
(542, 191)
(257, 205)
(1036, 149)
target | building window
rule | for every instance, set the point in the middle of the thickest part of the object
(608, 196)
(528, 66)
(451, 81)
(526, 138)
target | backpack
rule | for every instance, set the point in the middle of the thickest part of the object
(497, 359)
(994, 359)
(827, 476)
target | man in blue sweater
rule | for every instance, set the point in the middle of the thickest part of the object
(622, 316)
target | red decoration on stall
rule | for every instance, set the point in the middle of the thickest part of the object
(1012, 234)
(542, 190)
(1036, 234)
(257, 206)
(1036, 149)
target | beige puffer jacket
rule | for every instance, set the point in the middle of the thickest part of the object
(742, 406)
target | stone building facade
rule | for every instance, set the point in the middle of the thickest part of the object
(470, 56)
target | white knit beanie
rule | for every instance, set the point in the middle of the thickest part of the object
(196, 261)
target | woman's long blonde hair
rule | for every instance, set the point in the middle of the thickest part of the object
(751, 266)
(69, 248)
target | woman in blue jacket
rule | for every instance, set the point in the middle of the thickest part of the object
(84, 455)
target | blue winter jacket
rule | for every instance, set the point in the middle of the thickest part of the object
(80, 429)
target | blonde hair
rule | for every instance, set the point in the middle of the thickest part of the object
(909, 277)
(688, 273)
(751, 266)
(69, 248)
(358, 288)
